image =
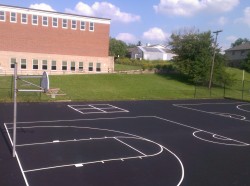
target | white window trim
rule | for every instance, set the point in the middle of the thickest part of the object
(47, 21)
(34, 19)
(53, 22)
(82, 25)
(93, 26)
(26, 19)
(33, 64)
(72, 25)
(65, 65)
(53, 65)
(15, 17)
(4, 15)
(43, 64)
(25, 64)
(66, 23)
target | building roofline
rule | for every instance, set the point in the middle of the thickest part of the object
(53, 12)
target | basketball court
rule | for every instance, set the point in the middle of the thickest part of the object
(191, 142)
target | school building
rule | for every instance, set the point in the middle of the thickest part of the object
(58, 43)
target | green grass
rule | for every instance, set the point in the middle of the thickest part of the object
(120, 67)
(109, 87)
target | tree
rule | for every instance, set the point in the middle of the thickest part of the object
(194, 55)
(117, 48)
(239, 41)
(245, 64)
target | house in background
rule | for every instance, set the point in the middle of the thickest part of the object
(151, 52)
(238, 53)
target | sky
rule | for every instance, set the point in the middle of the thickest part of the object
(153, 21)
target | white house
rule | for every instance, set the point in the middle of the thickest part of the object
(152, 52)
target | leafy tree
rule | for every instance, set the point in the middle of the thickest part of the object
(239, 41)
(117, 48)
(245, 64)
(194, 55)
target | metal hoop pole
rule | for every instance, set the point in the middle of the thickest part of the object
(15, 110)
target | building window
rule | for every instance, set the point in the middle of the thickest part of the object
(80, 66)
(45, 21)
(23, 64)
(53, 65)
(74, 24)
(13, 17)
(233, 53)
(90, 66)
(98, 67)
(65, 23)
(34, 20)
(64, 65)
(24, 19)
(91, 26)
(73, 66)
(2, 15)
(55, 22)
(44, 64)
(12, 62)
(82, 25)
(35, 64)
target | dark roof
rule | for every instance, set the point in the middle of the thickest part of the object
(243, 46)
(54, 12)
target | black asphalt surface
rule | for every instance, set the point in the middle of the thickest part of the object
(129, 143)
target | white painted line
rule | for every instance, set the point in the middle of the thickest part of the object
(56, 141)
(18, 160)
(241, 144)
(238, 107)
(130, 146)
(79, 165)
(97, 108)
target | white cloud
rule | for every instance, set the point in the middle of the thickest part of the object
(232, 38)
(126, 37)
(42, 6)
(222, 21)
(246, 18)
(104, 9)
(191, 7)
(155, 34)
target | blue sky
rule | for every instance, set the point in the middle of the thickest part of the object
(153, 21)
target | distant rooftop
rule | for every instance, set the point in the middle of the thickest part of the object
(243, 46)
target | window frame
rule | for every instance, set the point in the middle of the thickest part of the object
(80, 66)
(53, 21)
(72, 66)
(22, 18)
(35, 66)
(11, 17)
(65, 27)
(33, 19)
(91, 27)
(98, 67)
(74, 26)
(23, 64)
(91, 67)
(53, 66)
(63, 65)
(3, 15)
(12, 63)
(44, 64)
(45, 21)
(82, 25)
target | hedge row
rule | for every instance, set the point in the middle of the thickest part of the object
(159, 65)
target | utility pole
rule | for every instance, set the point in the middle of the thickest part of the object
(212, 67)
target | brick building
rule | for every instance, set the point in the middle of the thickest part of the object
(55, 42)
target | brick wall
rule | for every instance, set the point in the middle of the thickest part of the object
(49, 40)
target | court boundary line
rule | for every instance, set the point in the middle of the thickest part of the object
(212, 113)
(17, 157)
